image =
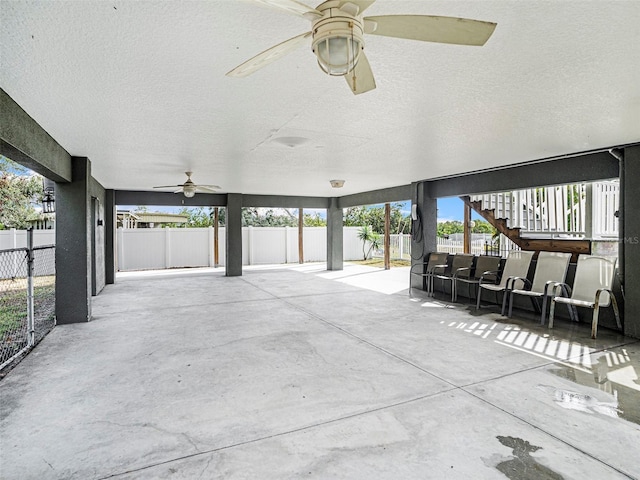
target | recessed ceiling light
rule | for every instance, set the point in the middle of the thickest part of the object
(336, 183)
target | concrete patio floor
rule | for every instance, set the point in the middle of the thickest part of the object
(297, 372)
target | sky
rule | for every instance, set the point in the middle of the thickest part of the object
(449, 209)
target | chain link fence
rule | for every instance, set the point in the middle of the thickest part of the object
(27, 300)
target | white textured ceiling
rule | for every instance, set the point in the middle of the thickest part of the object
(139, 87)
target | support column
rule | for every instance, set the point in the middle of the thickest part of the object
(300, 235)
(73, 245)
(424, 228)
(387, 236)
(588, 211)
(110, 217)
(630, 238)
(216, 226)
(233, 235)
(335, 239)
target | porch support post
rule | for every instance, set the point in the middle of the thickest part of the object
(233, 234)
(424, 229)
(630, 238)
(335, 253)
(387, 236)
(466, 235)
(73, 245)
(110, 237)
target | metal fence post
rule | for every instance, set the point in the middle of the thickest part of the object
(30, 314)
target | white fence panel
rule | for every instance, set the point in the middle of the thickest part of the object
(267, 245)
(141, 248)
(291, 244)
(18, 238)
(158, 248)
(188, 247)
(351, 244)
(222, 247)
(606, 201)
(478, 246)
(315, 245)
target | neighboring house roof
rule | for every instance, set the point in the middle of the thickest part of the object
(160, 217)
(123, 213)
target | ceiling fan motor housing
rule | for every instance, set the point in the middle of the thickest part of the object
(337, 41)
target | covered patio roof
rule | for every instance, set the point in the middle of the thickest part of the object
(300, 372)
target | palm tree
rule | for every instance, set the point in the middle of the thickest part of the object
(367, 235)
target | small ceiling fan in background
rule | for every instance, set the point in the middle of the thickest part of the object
(337, 37)
(189, 188)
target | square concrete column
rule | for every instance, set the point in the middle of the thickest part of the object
(234, 235)
(335, 255)
(110, 217)
(630, 239)
(73, 245)
(424, 229)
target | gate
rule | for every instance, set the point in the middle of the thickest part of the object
(27, 298)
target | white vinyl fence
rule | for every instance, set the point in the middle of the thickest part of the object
(158, 248)
(12, 243)
(479, 246)
(18, 238)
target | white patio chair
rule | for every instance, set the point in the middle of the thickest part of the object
(591, 289)
(427, 269)
(551, 269)
(516, 267)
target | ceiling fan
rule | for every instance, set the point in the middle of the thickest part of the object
(189, 188)
(337, 37)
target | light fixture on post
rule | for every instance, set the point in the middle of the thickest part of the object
(337, 41)
(48, 199)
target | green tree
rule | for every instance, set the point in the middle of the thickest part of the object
(314, 220)
(482, 226)
(18, 191)
(447, 228)
(373, 216)
(202, 217)
(368, 236)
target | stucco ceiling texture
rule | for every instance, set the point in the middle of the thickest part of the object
(139, 87)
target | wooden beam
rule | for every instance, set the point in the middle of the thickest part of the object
(466, 248)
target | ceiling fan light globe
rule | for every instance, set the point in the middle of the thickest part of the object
(337, 41)
(189, 191)
(338, 55)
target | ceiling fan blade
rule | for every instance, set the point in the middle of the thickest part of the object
(293, 7)
(180, 190)
(168, 186)
(268, 56)
(360, 79)
(202, 188)
(459, 31)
